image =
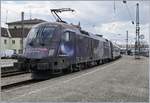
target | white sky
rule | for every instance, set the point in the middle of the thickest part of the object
(95, 16)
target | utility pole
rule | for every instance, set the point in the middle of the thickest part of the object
(137, 42)
(127, 44)
(6, 15)
(30, 14)
(22, 34)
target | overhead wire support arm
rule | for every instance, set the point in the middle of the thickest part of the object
(55, 11)
(57, 16)
(125, 2)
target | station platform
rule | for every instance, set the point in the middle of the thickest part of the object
(123, 80)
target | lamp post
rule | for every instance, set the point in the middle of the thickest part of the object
(22, 19)
(137, 42)
(127, 43)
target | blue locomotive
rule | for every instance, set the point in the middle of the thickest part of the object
(53, 47)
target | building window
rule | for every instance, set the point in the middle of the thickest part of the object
(20, 41)
(5, 41)
(15, 27)
(14, 51)
(13, 41)
(20, 51)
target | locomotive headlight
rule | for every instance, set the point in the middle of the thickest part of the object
(51, 52)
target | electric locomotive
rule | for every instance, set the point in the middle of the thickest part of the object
(53, 47)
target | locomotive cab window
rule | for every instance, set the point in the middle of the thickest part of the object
(40, 35)
(47, 32)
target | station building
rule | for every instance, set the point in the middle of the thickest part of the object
(11, 37)
(5, 39)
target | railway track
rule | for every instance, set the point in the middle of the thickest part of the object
(12, 73)
(25, 82)
(19, 84)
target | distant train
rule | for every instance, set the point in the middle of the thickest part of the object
(61, 47)
(144, 52)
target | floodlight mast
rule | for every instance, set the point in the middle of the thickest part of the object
(55, 11)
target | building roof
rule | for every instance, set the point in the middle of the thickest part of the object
(30, 21)
(17, 33)
(4, 32)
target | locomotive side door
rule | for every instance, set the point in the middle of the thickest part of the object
(73, 43)
(67, 45)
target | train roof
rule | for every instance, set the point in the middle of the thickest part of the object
(63, 25)
(73, 28)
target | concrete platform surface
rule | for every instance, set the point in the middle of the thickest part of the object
(124, 80)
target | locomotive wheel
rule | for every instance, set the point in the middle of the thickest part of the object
(85, 65)
(78, 67)
(66, 71)
(88, 64)
(103, 61)
(70, 69)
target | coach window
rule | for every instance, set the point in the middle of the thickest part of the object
(66, 36)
